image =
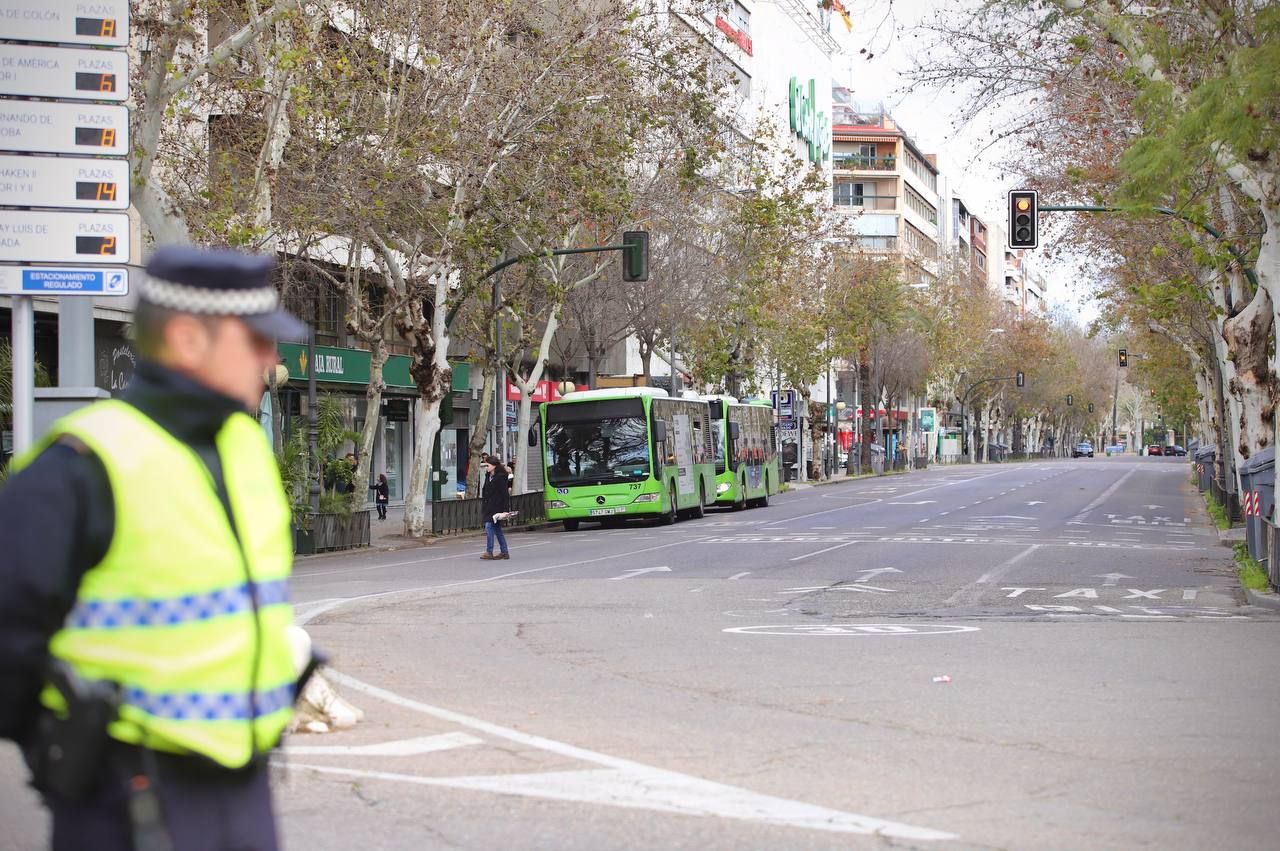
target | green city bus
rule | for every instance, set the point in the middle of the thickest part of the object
(746, 453)
(630, 452)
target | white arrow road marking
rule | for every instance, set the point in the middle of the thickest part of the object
(623, 783)
(867, 575)
(1109, 579)
(404, 747)
(631, 574)
(1036, 502)
(1154, 507)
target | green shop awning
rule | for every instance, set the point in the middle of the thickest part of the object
(351, 366)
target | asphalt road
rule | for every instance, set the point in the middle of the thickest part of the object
(1047, 655)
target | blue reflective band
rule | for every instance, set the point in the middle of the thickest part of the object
(209, 706)
(172, 611)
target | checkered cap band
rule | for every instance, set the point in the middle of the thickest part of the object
(188, 299)
(210, 705)
(132, 612)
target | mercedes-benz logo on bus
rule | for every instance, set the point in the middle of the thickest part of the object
(600, 500)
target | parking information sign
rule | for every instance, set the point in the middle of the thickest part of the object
(63, 280)
(76, 182)
(64, 72)
(27, 237)
(103, 23)
(46, 127)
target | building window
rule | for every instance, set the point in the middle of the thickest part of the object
(921, 207)
(919, 243)
(847, 194)
(878, 243)
(922, 171)
(982, 260)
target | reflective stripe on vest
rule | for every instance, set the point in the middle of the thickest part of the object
(169, 613)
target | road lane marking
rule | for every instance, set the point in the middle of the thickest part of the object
(1000, 570)
(404, 747)
(740, 575)
(640, 571)
(820, 552)
(1105, 495)
(331, 604)
(462, 553)
(626, 784)
(862, 629)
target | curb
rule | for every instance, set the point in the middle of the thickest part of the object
(1262, 599)
(1234, 535)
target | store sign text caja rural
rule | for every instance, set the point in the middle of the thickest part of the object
(813, 127)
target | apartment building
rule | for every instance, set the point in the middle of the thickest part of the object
(1023, 286)
(887, 185)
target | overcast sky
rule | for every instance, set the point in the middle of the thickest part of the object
(888, 29)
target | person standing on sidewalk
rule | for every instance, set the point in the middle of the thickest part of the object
(496, 496)
(145, 666)
(381, 495)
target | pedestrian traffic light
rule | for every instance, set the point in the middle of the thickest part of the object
(1070, 400)
(1021, 379)
(1091, 407)
(635, 256)
(1024, 211)
(1124, 357)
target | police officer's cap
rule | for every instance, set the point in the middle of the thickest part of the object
(220, 282)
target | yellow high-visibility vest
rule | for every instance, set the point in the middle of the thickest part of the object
(187, 611)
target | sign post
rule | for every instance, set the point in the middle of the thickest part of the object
(57, 208)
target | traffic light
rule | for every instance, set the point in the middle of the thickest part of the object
(1070, 399)
(1024, 212)
(1124, 357)
(635, 257)
(1021, 378)
(1091, 407)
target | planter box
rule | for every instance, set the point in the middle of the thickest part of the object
(304, 542)
(334, 532)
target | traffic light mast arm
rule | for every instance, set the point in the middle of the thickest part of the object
(1164, 211)
(520, 258)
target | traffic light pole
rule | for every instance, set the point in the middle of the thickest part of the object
(1164, 211)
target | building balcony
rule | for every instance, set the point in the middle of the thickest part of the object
(855, 162)
(877, 243)
(876, 203)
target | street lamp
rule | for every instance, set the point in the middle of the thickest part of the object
(566, 387)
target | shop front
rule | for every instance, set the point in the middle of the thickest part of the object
(343, 374)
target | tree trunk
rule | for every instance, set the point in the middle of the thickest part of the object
(372, 419)
(527, 386)
(480, 433)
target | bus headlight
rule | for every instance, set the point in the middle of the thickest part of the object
(648, 497)
(556, 503)
(723, 487)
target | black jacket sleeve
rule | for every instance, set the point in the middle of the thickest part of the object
(56, 521)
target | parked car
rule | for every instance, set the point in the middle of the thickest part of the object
(1083, 449)
(1155, 449)
(1174, 450)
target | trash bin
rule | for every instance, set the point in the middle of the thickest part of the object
(1204, 465)
(1258, 484)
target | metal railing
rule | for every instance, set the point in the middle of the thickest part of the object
(460, 515)
(861, 163)
(340, 531)
(1271, 544)
(866, 202)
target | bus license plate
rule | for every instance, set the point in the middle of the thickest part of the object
(599, 512)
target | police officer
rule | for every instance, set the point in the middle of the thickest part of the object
(144, 555)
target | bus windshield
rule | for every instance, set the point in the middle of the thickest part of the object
(597, 442)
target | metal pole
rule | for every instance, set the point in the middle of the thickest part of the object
(1115, 402)
(500, 378)
(855, 446)
(75, 342)
(313, 430)
(24, 372)
(831, 410)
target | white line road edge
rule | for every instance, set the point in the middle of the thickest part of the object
(403, 747)
(623, 783)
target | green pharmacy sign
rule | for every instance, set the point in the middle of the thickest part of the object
(813, 127)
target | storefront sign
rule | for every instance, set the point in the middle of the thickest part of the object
(813, 127)
(928, 419)
(545, 391)
(351, 366)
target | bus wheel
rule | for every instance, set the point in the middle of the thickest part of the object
(570, 525)
(763, 501)
(671, 516)
(699, 511)
(742, 496)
